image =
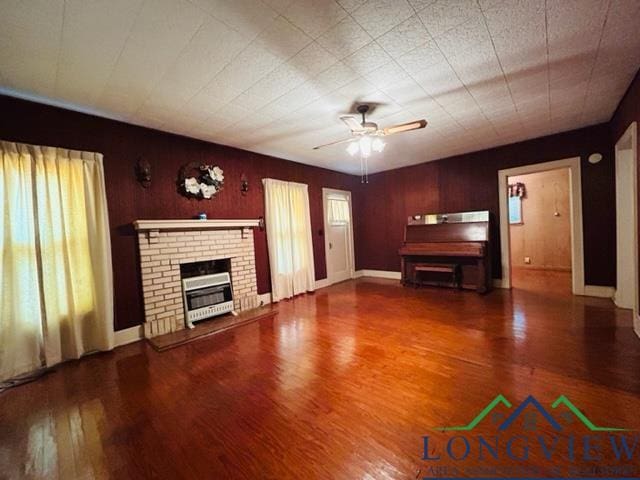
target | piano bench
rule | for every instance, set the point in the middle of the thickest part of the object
(452, 268)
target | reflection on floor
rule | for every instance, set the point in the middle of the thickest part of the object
(342, 384)
(534, 280)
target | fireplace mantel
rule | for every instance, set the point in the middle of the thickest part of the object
(144, 225)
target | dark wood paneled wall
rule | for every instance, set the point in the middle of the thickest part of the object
(470, 182)
(122, 144)
(628, 111)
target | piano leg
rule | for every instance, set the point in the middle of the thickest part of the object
(481, 286)
(403, 272)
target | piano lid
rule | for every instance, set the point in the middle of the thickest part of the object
(461, 217)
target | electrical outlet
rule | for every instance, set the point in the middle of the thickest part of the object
(527, 260)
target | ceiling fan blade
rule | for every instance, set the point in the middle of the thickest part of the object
(405, 127)
(352, 123)
(334, 143)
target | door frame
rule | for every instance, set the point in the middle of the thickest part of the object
(326, 192)
(575, 200)
(630, 136)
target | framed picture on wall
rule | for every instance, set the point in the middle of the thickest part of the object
(515, 210)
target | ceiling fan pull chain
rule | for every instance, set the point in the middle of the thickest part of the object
(366, 170)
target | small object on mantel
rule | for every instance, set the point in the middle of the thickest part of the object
(211, 326)
(202, 216)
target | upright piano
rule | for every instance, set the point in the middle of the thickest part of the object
(455, 242)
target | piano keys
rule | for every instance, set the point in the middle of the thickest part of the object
(459, 242)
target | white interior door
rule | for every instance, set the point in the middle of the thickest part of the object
(625, 229)
(338, 235)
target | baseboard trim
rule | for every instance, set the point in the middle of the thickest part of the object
(264, 298)
(127, 336)
(378, 274)
(598, 291)
(500, 283)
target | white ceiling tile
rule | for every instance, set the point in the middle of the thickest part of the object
(297, 97)
(312, 60)
(379, 16)
(334, 77)
(279, 6)
(444, 15)
(405, 37)
(283, 38)
(247, 68)
(421, 58)
(351, 5)
(439, 80)
(420, 4)
(248, 17)
(386, 75)
(274, 110)
(85, 65)
(477, 66)
(170, 25)
(344, 38)
(250, 101)
(206, 55)
(314, 17)
(470, 36)
(520, 28)
(368, 58)
(357, 89)
(30, 42)
(405, 91)
(277, 83)
(424, 106)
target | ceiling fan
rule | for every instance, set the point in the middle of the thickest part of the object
(366, 129)
(366, 137)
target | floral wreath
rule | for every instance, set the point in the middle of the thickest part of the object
(206, 184)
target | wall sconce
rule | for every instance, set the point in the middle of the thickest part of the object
(244, 185)
(143, 172)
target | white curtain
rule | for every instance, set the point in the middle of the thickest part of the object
(55, 257)
(288, 223)
(338, 209)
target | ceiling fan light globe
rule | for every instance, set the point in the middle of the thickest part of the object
(378, 145)
(353, 148)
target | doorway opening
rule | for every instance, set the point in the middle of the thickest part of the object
(572, 165)
(626, 295)
(540, 231)
(338, 238)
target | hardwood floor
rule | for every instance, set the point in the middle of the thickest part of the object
(342, 384)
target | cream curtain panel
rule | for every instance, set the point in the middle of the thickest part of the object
(55, 257)
(338, 211)
(288, 223)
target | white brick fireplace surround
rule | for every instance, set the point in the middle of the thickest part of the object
(166, 244)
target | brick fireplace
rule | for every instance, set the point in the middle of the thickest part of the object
(164, 245)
